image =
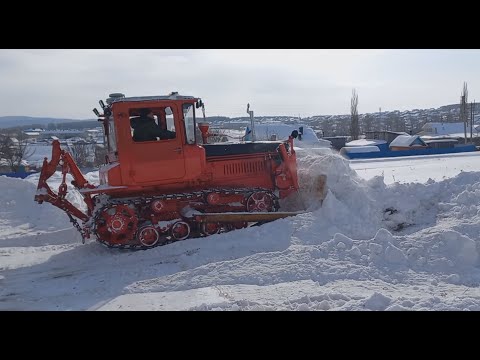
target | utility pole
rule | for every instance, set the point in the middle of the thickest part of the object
(463, 109)
(380, 110)
(472, 113)
(252, 123)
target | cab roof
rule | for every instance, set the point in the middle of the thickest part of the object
(117, 98)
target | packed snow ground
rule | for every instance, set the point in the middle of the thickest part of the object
(376, 243)
(417, 168)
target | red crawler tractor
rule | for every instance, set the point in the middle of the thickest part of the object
(155, 192)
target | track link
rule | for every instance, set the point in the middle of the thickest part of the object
(196, 201)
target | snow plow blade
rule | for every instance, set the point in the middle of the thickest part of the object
(243, 216)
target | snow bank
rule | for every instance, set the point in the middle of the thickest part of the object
(369, 246)
(20, 215)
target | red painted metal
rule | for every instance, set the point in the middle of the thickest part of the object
(45, 193)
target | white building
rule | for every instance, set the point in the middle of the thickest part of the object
(448, 129)
(275, 131)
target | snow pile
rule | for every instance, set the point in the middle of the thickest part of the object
(20, 215)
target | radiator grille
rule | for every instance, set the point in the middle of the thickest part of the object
(243, 167)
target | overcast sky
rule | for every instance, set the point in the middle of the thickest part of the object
(295, 82)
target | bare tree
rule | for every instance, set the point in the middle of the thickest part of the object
(14, 151)
(214, 135)
(367, 122)
(398, 122)
(463, 109)
(100, 155)
(342, 126)
(80, 153)
(354, 126)
(472, 112)
(218, 135)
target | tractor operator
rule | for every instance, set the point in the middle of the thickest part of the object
(146, 129)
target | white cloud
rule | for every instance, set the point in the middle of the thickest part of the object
(68, 83)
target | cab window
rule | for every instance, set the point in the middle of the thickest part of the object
(151, 124)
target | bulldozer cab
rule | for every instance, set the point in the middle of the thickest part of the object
(148, 136)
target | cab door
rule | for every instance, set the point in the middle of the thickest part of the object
(157, 161)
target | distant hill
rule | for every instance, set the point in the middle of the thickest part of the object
(28, 121)
(329, 125)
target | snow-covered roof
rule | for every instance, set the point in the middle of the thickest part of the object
(439, 140)
(365, 142)
(63, 131)
(406, 140)
(5, 162)
(360, 149)
(437, 137)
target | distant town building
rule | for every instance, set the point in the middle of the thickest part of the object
(451, 129)
(64, 135)
(441, 143)
(387, 136)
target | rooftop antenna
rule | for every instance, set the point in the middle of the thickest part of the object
(252, 124)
